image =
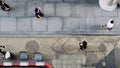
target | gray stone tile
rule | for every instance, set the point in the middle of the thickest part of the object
(11, 1)
(24, 24)
(70, 24)
(116, 25)
(38, 0)
(3, 13)
(59, 66)
(31, 7)
(39, 24)
(82, 24)
(73, 65)
(64, 66)
(91, 1)
(18, 10)
(91, 59)
(8, 24)
(58, 62)
(55, 24)
(49, 9)
(79, 10)
(22, 0)
(118, 12)
(90, 10)
(97, 10)
(78, 66)
(62, 9)
(110, 13)
(68, 66)
(70, 0)
(90, 24)
(55, 0)
(82, 1)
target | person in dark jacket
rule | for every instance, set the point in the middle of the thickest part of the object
(38, 12)
(83, 45)
(4, 6)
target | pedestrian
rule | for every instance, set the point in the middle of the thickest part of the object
(6, 54)
(38, 12)
(83, 45)
(4, 6)
(108, 25)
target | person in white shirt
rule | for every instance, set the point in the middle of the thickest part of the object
(109, 25)
(7, 55)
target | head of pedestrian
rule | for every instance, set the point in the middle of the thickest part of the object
(83, 45)
(1, 3)
(112, 21)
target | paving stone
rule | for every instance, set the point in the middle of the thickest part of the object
(90, 10)
(63, 9)
(73, 65)
(38, 0)
(91, 59)
(18, 10)
(79, 66)
(118, 12)
(39, 24)
(70, 0)
(31, 7)
(116, 25)
(82, 1)
(24, 24)
(3, 13)
(58, 62)
(82, 24)
(78, 10)
(49, 9)
(91, 1)
(55, 0)
(64, 66)
(110, 13)
(90, 24)
(55, 24)
(70, 24)
(53, 62)
(97, 10)
(68, 66)
(78, 58)
(8, 24)
(22, 0)
(11, 1)
(59, 66)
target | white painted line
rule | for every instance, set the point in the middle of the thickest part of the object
(7, 64)
(23, 63)
(40, 64)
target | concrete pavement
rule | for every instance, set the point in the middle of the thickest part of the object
(64, 50)
(62, 17)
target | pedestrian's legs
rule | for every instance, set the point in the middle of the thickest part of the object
(104, 25)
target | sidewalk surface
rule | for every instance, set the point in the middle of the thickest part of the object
(62, 17)
(65, 53)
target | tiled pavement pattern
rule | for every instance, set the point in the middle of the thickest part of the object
(65, 53)
(61, 17)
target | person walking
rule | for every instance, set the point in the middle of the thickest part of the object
(108, 25)
(83, 45)
(4, 6)
(38, 12)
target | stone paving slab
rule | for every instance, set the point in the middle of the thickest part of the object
(79, 59)
(8, 24)
(71, 17)
(24, 24)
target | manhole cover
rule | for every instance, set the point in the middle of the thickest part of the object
(32, 46)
